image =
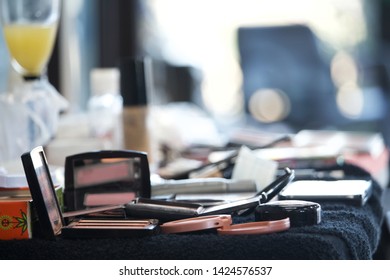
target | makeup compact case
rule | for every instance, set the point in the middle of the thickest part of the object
(98, 222)
(106, 177)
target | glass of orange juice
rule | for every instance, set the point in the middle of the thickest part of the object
(30, 28)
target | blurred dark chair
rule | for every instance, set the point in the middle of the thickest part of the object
(287, 58)
(176, 83)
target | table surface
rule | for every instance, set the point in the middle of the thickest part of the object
(345, 232)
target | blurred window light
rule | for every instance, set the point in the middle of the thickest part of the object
(343, 69)
(350, 100)
(269, 105)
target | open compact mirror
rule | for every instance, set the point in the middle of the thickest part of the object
(105, 178)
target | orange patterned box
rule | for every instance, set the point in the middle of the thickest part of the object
(15, 218)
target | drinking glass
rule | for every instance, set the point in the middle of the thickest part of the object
(30, 28)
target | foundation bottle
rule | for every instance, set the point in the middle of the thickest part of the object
(133, 85)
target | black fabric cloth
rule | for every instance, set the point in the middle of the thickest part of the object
(345, 232)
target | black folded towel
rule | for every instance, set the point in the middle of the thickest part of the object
(346, 232)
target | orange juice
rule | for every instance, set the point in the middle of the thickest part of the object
(30, 45)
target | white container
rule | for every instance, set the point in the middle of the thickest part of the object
(105, 107)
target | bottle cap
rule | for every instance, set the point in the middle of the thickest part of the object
(104, 80)
(301, 213)
(133, 81)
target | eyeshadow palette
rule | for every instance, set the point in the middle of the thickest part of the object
(105, 177)
(87, 223)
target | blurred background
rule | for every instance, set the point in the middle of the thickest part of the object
(269, 65)
(276, 65)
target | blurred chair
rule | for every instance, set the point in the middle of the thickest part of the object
(176, 83)
(287, 59)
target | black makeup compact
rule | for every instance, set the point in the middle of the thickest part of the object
(88, 223)
(300, 212)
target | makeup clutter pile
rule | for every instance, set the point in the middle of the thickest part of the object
(112, 194)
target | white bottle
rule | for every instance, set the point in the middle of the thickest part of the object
(105, 107)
